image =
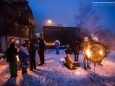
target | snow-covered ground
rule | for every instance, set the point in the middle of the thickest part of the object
(54, 73)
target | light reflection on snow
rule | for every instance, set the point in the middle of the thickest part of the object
(77, 72)
(62, 59)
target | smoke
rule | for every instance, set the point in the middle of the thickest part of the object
(88, 21)
(87, 18)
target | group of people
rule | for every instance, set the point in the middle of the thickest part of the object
(24, 52)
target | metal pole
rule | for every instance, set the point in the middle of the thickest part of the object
(94, 69)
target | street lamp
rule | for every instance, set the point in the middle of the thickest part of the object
(49, 22)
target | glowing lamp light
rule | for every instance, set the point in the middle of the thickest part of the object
(77, 72)
(17, 57)
(49, 22)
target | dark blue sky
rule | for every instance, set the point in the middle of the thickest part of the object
(63, 12)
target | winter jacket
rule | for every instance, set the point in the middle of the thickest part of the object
(41, 47)
(32, 51)
(11, 54)
(23, 53)
(76, 48)
(68, 50)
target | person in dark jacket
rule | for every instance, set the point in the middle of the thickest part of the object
(41, 50)
(11, 58)
(76, 50)
(75, 47)
(32, 51)
(10, 41)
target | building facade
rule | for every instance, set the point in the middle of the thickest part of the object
(16, 20)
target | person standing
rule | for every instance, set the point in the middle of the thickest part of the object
(11, 58)
(23, 54)
(76, 50)
(85, 45)
(10, 41)
(41, 50)
(32, 51)
(57, 45)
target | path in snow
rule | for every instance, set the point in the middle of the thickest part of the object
(53, 73)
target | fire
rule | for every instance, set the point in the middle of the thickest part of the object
(101, 52)
(17, 58)
(50, 44)
(96, 52)
(88, 53)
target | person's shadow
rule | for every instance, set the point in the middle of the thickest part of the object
(10, 82)
(29, 80)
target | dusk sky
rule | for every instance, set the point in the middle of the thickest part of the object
(64, 11)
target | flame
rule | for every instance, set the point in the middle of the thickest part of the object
(101, 52)
(51, 44)
(95, 52)
(88, 53)
(17, 58)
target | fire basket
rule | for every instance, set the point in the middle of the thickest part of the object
(96, 52)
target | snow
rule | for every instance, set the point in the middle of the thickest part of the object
(54, 73)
